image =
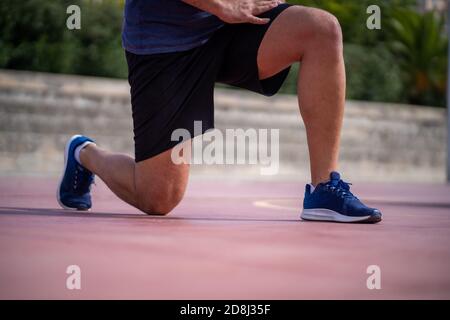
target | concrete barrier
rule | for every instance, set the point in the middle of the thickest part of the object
(381, 142)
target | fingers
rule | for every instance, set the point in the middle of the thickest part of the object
(268, 4)
(258, 7)
(256, 20)
(262, 2)
(263, 8)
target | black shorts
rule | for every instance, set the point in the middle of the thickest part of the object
(172, 90)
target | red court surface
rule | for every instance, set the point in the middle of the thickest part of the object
(227, 240)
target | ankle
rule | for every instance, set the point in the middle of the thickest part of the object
(85, 155)
(316, 180)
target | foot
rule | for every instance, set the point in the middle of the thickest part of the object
(74, 190)
(333, 201)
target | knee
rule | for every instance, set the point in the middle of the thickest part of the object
(330, 29)
(319, 28)
(160, 203)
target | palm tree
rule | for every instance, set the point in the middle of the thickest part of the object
(419, 43)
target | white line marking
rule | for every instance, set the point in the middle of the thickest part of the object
(266, 204)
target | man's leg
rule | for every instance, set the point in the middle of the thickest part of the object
(155, 186)
(314, 38)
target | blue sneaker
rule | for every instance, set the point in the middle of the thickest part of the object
(74, 190)
(333, 201)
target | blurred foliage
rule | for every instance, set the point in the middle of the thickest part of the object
(373, 75)
(421, 51)
(34, 36)
(405, 61)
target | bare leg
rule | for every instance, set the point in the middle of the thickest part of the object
(315, 39)
(116, 170)
(154, 186)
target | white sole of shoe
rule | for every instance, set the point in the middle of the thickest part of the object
(333, 216)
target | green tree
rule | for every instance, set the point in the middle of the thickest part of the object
(419, 42)
(352, 16)
(99, 50)
(34, 36)
(372, 74)
(405, 61)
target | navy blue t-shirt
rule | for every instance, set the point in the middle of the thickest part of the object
(162, 26)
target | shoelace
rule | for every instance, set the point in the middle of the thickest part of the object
(82, 180)
(341, 189)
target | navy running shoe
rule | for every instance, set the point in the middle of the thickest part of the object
(333, 201)
(74, 190)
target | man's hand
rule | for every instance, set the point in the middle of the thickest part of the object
(237, 11)
(245, 11)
